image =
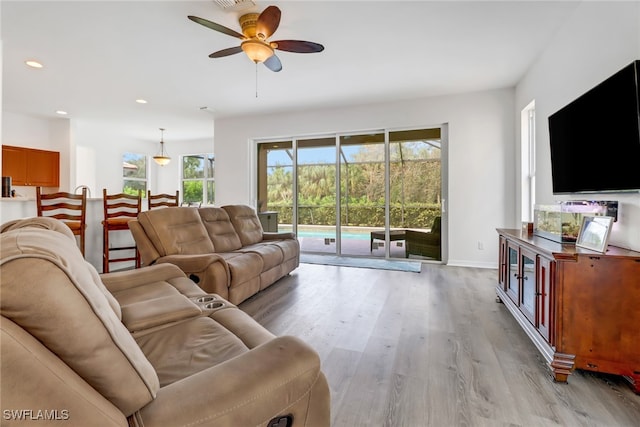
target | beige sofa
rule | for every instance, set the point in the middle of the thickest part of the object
(145, 347)
(224, 250)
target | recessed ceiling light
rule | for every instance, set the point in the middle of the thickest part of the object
(61, 112)
(33, 64)
(141, 101)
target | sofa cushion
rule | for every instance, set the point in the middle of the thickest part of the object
(189, 347)
(45, 223)
(271, 254)
(158, 312)
(50, 223)
(246, 223)
(290, 248)
(242, 266)
(71, 316)
(176, 231)
(220, 229)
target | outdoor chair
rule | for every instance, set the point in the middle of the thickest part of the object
(425, 244)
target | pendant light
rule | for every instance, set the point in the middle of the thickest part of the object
(162, 159)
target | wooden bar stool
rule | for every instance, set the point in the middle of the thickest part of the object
(119, 209)
(67, 207)
(162, 200)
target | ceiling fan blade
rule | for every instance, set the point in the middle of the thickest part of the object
(226, 52)
(273, 63)
(297, 46)
(268, 22)
(216, 27)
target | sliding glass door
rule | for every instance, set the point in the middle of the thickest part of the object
(415, 189)
(276, 182)
(362, 194)
(316, 194)
(375, 194)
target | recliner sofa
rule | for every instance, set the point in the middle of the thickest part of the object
(144, 347)
(224, 250)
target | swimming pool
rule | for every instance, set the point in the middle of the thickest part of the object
(327, 234)
(318, 232)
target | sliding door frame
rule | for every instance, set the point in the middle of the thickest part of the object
(444, 158)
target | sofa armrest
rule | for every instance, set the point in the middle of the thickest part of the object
(121, 280)
(209, 271)
(192, 263)
(35, 378)
(276, 378)
(148, 252)
(278, 236)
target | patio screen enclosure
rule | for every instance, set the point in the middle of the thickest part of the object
(368, 194)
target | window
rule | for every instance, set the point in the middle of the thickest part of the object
(134, 173)
(198, 184)
(528, 158)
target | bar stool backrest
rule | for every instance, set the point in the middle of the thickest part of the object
(67, 207)
(119, 209)
(162, 200)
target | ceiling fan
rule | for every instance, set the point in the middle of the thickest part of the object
(256, 30)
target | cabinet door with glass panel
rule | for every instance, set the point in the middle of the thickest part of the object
(512, 283)
(528, 289)
(545, 284)
(503, 267)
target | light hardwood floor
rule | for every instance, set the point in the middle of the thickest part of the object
(430, 349)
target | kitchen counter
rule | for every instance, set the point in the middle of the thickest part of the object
(24, 207)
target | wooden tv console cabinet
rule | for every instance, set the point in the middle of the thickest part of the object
(580, 308)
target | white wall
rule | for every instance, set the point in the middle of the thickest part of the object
(109, 142)
(40, 133)
(25, 131)
(91, 152)
(481, 152)
(599, 39)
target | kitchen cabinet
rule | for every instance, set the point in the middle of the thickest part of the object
(31, 167)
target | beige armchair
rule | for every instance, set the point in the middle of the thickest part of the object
(145, 347)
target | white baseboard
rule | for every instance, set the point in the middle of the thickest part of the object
(474, 264)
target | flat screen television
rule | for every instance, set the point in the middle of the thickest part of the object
(595, 140)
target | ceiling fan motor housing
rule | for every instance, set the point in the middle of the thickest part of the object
(248, 23)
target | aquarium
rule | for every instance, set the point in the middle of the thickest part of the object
(561, 222)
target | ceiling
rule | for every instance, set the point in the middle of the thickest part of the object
(99, 57)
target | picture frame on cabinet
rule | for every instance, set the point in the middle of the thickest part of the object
(594, 233)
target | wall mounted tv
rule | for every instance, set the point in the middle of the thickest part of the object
(595, 140)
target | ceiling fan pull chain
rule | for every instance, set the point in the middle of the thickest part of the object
(256, 80)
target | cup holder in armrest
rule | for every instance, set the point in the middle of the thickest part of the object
(210, 302)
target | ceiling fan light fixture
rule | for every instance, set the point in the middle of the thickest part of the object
(256, 50)
(256, 31)
(162, 159)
